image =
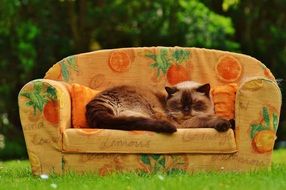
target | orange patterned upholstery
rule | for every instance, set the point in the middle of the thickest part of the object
(183, 141)
(55, 145)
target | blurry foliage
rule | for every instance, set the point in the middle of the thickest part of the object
(2, 142)
(226, 4)
(169, 23)
(36, 34)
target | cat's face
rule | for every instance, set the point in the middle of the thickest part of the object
(188, 99)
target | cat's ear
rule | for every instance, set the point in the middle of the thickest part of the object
(171, 90)
(205, 89)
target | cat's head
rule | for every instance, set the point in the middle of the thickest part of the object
(188, 99)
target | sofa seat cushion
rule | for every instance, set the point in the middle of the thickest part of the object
(202, 140)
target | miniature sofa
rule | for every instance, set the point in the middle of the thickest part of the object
(55, 146)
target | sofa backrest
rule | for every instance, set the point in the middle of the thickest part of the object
(156, 67)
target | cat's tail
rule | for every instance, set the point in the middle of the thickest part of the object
(103, 117)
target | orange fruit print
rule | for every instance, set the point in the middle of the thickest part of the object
(228, 69)
(119, 61)
(43, 98)
(51, 112)
(177, 73)
(171, 63)
(263, 131)
(264, 141)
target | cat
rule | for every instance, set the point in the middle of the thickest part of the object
(185, 105)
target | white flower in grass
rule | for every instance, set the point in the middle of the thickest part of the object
(44, 176)
(161, 177)
(54, 186)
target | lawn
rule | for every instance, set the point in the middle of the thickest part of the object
(17, 175)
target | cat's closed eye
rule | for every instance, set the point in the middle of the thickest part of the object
(199, 106)
(176, 105)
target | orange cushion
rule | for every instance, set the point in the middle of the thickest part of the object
(224, 100)
(80, 96)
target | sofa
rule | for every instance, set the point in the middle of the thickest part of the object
(55, 144)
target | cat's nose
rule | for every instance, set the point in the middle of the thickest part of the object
(186, 109)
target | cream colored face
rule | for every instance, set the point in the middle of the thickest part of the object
(189, 99)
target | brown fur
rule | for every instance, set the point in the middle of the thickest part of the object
(134, 108)
(128, 108)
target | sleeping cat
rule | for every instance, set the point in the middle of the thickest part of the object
(188, 104)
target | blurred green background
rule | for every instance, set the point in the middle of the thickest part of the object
(35, 34)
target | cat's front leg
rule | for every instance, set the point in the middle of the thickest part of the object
(207, 121)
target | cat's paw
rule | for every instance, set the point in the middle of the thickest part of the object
(166, 127)
(222, 125)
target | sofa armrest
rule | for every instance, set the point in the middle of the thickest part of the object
(45, 111)
(257, 110)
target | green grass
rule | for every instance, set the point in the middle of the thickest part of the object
(17, 175)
